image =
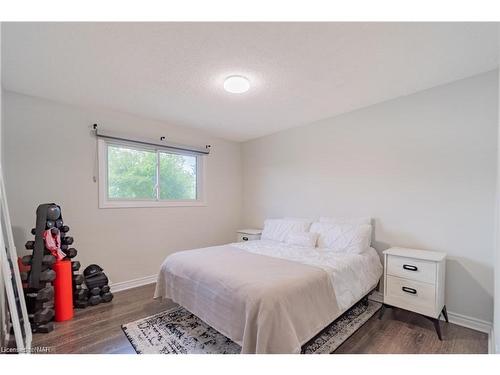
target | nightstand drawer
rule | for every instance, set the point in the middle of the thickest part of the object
(413, 269)
(411, 295)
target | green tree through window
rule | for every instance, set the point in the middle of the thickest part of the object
(132, 174)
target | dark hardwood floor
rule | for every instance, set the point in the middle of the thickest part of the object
(98, 330)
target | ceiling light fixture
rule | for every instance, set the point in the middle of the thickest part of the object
(236, 84)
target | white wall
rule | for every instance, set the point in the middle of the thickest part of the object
(423, 166)
(50, 157)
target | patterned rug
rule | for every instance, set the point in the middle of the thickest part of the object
(177, 331)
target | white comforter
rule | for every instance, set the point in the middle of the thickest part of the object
(267, 296)
(352, 275)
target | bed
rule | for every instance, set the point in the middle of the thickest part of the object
(268, 296)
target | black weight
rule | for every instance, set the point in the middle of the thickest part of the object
(96, 281)
(49, 224)
(42, 316)
(33, 231)
(81, 304)
(78, 279)
(95, 291)
(92, 270)
(43, 328)
(47, 275)
(47, 260)
(53, 212)
(75, 266)
(67, 240)
(107, 297)
(64, 229)
(70, 253)
(54, 231)
(80, 294)
(59, 223)
(105, 289)
(42, 295)
(94, 300)
(29, 245)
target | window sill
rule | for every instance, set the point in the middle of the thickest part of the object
(150, 204)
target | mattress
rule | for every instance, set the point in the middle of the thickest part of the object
(269, 297)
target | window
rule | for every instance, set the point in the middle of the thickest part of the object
(131, 175)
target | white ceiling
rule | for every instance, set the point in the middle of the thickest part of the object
(300, 72)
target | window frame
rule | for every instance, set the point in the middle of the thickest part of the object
(106, 202)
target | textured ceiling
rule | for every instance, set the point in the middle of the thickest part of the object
(300, 72)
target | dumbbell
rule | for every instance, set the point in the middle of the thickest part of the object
(80, 294)
(42, 316)
(58, 223)
(67, 240)
(49, 224)
(47, 275)
(105, 289)
(81, 304)
(95, 291)
(54, 231)
(78, 279)
(75, 266)
(29, 245)
(48, 260)
(33, 231)
(107, 297)
(95, 300)
(42, 295)
(70, 253)
(64, 229)
(43, 328)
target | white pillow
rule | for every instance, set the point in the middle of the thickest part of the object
(345, 220)
(303, 239)
(279, 229)
(346, 238)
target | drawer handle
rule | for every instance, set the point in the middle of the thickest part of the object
(245, 238)
(409, 290)
(409, 267)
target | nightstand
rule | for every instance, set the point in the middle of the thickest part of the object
(248, 234)
(414, 281)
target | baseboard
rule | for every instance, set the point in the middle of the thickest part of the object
(455, 318)
(470, 322)
(124, 285)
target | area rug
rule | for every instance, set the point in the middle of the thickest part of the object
(177, 331)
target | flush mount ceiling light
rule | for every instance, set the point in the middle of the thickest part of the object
(236, 84)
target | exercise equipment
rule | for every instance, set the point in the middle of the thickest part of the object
(42, 316)
(53, 212)
(95, 300)
(49, 224)
(70, 253)
(75, 265)
(107, 297)
(67, 240)
(78, 279)
(63, 298)
(58, 223)
(97, 283)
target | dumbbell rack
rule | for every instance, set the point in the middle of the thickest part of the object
(39, 291)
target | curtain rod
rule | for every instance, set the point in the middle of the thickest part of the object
(170, 146)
